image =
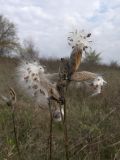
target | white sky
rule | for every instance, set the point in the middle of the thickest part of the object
(47, 23)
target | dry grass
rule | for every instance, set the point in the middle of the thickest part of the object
(93, 123)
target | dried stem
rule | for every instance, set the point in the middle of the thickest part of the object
(61, 89)
(50, 133)
(15, 133)
(11, 101)
(65, 130)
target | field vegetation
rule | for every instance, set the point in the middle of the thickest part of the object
(93, 122)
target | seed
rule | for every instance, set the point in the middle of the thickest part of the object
(35, 86)
(42, 92)
(26, 78)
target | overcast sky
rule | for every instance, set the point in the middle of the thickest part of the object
(48, 22)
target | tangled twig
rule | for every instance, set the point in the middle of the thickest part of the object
(11, 101)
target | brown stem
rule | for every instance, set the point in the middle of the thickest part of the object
(65, 130)
(50, 133)
(15, 132)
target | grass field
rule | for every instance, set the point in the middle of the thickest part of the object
(93, 123)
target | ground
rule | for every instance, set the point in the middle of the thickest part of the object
(93, 123)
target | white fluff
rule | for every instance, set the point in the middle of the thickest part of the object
(94, 87)
(97, 85)
(99, 81)
(57, 115)
(33, 80)
(79, 38)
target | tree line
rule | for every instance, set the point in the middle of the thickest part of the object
(9, 43)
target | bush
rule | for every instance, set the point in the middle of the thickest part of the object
(92, 57)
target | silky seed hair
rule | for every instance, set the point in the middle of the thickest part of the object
(31, 77)
(79, 38)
